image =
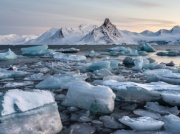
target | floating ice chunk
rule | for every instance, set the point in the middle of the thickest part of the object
(128, 61)
(9, 55)
(114, 77)
(11, 74)
(68, 57)
(172, 123)
(44, 119)
(68, 50)
(24, 100)
(27, 111)
(125, 50)
(142, 53)
(38, 76)
(163, 75)
(146, 113)
(152, 74)
(42, 70)
(129, 91)
(171, 97)
(159, 86)
(114, 63)
(60, 81)
(107, 64)
(110, 122)
(98, 65)
(35, 51)
(147, 48)
(17, 84)
(142, 123)
(92, 54)
(94, 98)
(169, 77)
(133, 52)
(155, 107)
(103, 73)
(140, 63)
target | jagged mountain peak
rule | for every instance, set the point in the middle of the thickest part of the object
(107, 33)
(107, 22)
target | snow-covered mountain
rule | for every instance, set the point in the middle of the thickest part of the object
(63, 35)
(162, 36)
(15, 39)
(107, 33)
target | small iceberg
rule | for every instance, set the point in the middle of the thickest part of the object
(146, 113)
(142, 123)
(140, 63)
(172, 123)
(163, 110)
(35, 50)
(68, 57)
(60, 81)
(68, 50)
(130, 91)
(9, 55)
(98, 99)
(147, 48)
(92, 54)
(27, 111)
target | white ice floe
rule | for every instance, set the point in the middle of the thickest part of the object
(146, 113)
(164, 110)
(163, 75)
(68, 50)
(60, 81)
(38, 76)
(17, 84)
(24, 100)
(140, 63)
(94, 98)
(172, 97)
(133, 52)
(106, 64)
(114, 77)
(25, 112)
(172, 123)
(142, 123)
(103, 73)
(9, 55)
(35, 50)
(92, 54)
(169, 77)
(68, 57)
(11, 74)
(130, 91)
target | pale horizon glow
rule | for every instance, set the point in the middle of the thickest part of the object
(37, 16)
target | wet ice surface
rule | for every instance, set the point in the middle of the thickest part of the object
(94, 95)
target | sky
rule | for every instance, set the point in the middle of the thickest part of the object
(37, 16)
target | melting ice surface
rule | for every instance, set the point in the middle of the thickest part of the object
(23, 109)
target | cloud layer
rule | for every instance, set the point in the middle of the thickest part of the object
(37, 16)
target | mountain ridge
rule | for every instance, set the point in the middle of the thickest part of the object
(107, 33)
